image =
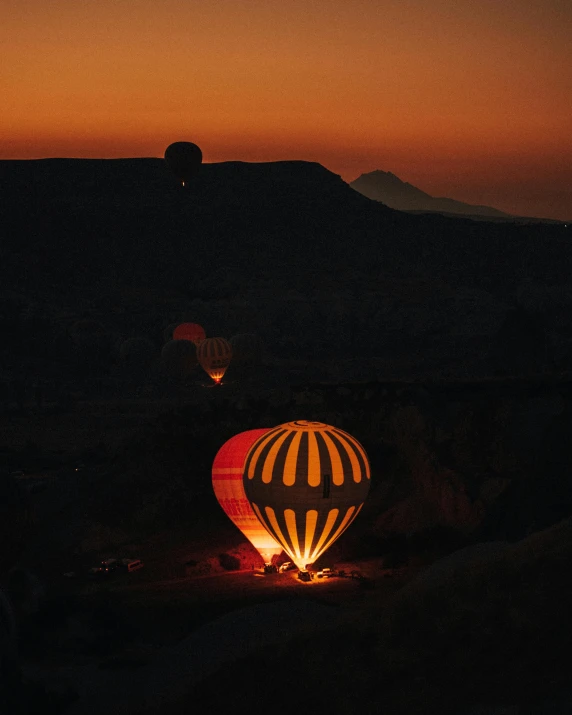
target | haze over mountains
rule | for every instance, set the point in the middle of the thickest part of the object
(397, 194)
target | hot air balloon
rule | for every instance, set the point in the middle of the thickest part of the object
(189, 331)
(214, 356)
(306, 482)
(184, 160)
(229, 490)
(178, 358)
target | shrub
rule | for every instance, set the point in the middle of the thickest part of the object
(229, 562)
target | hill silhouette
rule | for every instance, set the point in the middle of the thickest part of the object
(286, 250)
(393, 192)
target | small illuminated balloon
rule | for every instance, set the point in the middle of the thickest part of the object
(189, 331)
(229, 491)
(214, 355)
(306, 482)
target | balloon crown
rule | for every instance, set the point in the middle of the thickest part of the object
(305, 425)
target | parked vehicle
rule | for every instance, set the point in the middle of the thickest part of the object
(110, 564)
(131, 564)
(326, 573)
(286, 566)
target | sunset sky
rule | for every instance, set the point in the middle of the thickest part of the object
(462, 98)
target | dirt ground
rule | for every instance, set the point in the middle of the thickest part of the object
(127, 633)
(93, 636)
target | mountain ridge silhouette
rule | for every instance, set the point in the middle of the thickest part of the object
(389, 189)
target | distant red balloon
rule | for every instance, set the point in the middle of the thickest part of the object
(189, 331)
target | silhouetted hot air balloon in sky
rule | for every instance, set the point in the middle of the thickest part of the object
(229, 490)
(306, 482)
(184, 160)
(189, 331)
(214, 356)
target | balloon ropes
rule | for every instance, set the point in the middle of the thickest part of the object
(306, 482)
(214, 356)
(189, 331)
(229, 490)
(184, 160)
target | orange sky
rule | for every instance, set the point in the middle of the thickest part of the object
(464, 98)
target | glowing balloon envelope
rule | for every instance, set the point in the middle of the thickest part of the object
(306, 482)
(189, 331)
(214, 356)
(229, 490)
(183, 159)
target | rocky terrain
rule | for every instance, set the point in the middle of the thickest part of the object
(442, 344)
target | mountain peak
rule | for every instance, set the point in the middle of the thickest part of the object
(397, 194)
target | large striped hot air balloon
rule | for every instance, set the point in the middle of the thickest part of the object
(229, 490)
(189, 331)
(214, 356)
(306, 482)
